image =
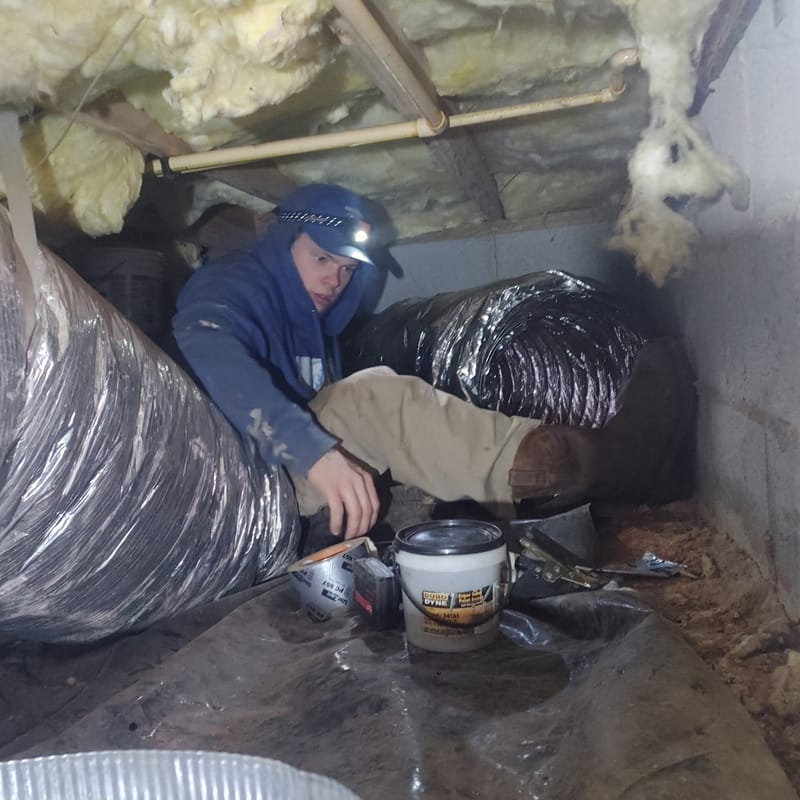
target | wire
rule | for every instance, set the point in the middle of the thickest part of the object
(89, 90)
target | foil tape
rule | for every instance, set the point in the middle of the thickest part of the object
(323, 581)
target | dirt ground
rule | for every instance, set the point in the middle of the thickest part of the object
(726, 608)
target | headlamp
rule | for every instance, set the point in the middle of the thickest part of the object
(354, 229)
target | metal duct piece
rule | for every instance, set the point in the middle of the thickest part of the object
(124, 495)
(546, 345)
(162, 775)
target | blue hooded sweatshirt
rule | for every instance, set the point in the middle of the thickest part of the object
(250, 333)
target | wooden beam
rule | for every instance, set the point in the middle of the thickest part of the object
(458, 150)
(225, 228)
(463, 156)
(725, 30)
(262, 180)
(115, 116)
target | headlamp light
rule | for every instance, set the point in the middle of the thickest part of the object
(361, 232)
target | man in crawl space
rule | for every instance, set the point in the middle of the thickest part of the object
(260, 332)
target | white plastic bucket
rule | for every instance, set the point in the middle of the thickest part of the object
(452, 573)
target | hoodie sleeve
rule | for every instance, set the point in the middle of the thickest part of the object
(220, 351)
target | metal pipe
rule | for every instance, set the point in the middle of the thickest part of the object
(619, 62)
(369, 30)
(197, 162)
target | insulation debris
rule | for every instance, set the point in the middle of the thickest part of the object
(230, 72)
(674, 161)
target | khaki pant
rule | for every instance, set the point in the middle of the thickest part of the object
(427, 438)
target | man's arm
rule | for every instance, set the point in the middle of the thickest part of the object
(244, 391)
(284, 432)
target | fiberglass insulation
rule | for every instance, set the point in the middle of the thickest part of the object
(125, 496)
(221, 72)
(546, 345)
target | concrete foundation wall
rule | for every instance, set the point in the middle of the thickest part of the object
(445, 266)
(740, 306)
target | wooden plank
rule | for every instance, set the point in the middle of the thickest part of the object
(725, 30)
(458, 150)
(115, 116)
(225, 228)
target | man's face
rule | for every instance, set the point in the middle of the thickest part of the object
(324, 275)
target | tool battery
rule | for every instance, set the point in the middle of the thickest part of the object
(376, 592)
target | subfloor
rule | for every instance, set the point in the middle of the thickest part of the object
(726, 609)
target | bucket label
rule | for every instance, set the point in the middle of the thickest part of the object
(471, 607)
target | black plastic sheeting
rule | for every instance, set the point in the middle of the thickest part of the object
(587, 695)
(546, 345)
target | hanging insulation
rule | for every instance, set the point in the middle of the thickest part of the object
(125, 496)
(546, 345)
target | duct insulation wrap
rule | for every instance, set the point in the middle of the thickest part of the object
(125, 496)
(546, 345)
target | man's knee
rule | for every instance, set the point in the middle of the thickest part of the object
(378, 388)
(385, 387)
(370, 373)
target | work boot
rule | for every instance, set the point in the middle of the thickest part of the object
(638, 455)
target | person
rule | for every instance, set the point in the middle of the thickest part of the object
(260, 332)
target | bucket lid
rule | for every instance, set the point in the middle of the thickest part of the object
(449, 537)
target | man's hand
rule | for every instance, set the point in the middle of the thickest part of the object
(348, 489)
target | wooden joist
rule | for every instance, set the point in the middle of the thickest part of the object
(410, 91)
(725, 30)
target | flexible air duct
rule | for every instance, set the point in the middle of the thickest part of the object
(546, 345)
(162, 775)
(124, 495)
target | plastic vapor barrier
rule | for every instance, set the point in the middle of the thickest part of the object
(583, 696)
(124, 495)
(545, 345)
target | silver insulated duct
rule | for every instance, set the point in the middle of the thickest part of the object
(125, 496)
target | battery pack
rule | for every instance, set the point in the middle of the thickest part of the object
(376, 592)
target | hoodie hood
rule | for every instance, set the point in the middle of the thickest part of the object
(274, 253)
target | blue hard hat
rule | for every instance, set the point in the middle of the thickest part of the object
(334, 217)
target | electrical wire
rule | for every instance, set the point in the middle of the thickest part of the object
(90, 89)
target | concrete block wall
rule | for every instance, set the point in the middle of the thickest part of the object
(445, 266)
(739, 307)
